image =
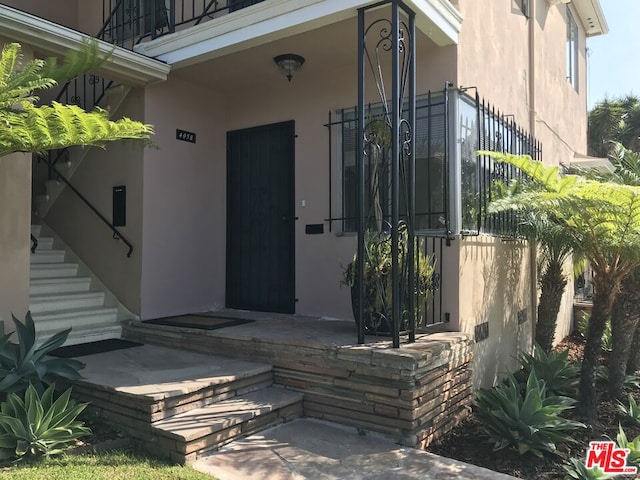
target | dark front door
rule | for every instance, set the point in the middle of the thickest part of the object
(260, 218)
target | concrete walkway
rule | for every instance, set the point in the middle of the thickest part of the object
(316, 450)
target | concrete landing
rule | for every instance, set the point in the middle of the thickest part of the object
(160, 372)
(317, 450)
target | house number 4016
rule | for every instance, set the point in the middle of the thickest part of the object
(185, 136)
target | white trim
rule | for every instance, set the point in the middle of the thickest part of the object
(53, 39)
(268, 21)
(591, 17)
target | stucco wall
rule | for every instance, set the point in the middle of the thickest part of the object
(15, 221)
(84, 232)
(64, 12)
(494, 280)
(184, 201)
(15, 224)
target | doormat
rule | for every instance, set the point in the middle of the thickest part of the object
(199, 321)
(92, 348)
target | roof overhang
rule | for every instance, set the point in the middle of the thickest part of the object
(591, 15)
(597, 163)
(269, 21)
(52, 39)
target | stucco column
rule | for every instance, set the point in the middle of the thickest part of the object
(15, 221)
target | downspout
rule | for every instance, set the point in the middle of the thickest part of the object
(532, 130)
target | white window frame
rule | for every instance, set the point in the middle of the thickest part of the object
(573, 49)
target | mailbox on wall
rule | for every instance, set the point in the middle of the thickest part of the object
(119, 206)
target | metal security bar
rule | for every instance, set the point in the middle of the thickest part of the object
(481, 175)
(431, 168)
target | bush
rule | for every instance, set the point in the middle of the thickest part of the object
(23, 364)
(560, 375)
(34, 425)
(525, 419)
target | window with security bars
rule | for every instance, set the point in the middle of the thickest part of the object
(430, 165)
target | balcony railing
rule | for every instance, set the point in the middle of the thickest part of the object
(127, 22)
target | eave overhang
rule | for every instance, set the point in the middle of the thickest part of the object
(276, 19)
(49, 38)
(592, 17)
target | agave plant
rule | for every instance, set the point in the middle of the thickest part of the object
(24, 363)
(529, 420)
(577, 470)
(39, 425)
(632, 412)
(632, 445)
(561, 376)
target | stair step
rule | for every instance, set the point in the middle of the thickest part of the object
(93, 333)
(76, 318)
(208, 428)
(48, 256)
(40, 286)
(35, 230)
(44, 243)
(53, 270)
(67, 301)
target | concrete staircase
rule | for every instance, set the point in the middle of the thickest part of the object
(187, 411)
(63, 294)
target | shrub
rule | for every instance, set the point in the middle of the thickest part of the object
(525, 419)
(630, 381)
(34, 425)
(578, 470)
(560, 375)
(378, 283)
(22, 363)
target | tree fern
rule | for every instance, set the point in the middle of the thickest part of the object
(604, 219)
(25, 127)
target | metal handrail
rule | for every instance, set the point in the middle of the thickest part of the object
(34, 243)
(116, 233)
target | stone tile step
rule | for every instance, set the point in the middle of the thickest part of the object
(41, 286)
(75, 318)
(47, 256)
(150, 383)
(66, 301)
(92, 333)
(53, 270)
(209, 427)
(44, 243)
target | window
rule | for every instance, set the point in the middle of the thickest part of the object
(572, 50)
(524, 6)
(430, 173)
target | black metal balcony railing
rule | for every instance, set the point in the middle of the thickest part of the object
(127, 22)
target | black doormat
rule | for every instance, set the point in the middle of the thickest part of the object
(91, 348)
(199, 321)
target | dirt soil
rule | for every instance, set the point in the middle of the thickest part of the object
(466, 442)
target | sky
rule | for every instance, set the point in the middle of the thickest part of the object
(613, 60)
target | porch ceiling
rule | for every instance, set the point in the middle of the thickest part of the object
(331, 48)
(278, 19)
(53, 39)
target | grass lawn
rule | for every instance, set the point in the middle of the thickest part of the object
(101, 466)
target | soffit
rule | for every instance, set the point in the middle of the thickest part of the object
(278, 19)
(52, 39)
(592, 17)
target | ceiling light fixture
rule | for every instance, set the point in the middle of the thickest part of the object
(289, 63)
